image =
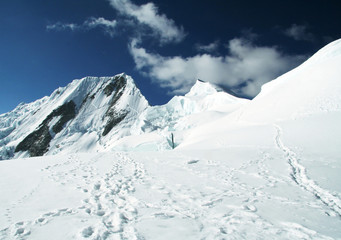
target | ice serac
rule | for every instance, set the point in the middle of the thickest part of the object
(98, 114)
(82, 116)
(203, 98)
(157, 125)
(311, 88)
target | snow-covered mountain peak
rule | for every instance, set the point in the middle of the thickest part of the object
(104, 113)
(97, 113)
(78, 88)
(79, 117)
(202, 88)
(241, 169)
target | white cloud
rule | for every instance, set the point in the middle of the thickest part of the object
(245, 69)
(299, 33)
(62, 26)
(107, 25)
(148, 14)
(210, 48)
(142, 19)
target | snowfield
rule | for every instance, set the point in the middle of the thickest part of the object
(252, 191)
(268, 168)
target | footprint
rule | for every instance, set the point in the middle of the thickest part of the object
(222, 230)
(87, 232)
(40, 220)
(97, 186)
(163, 215)
(192, 161)
(22, 232)
(100, 213)
(48, 214)
(126, 217)
(250, 208)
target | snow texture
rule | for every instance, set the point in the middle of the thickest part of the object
(268, 168)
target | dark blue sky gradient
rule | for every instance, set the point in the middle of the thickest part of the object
(35, 61)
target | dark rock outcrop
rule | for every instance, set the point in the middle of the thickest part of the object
(37, 143)
(114, 116)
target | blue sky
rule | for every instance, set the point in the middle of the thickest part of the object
(164, 45)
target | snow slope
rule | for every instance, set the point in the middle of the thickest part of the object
(81, 116)
(261, 169)
(203, 103)
(232, 193)
(314, 87)
(102, 113)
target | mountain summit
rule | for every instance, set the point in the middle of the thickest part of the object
(110, 113)
(267, 168)
(96, 113)
(87, 112)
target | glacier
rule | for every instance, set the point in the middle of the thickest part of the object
(108, 112)
(266, 168)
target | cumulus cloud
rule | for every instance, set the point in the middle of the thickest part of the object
(244, 70)
(148, 15)
(299, 33)
(107, 25)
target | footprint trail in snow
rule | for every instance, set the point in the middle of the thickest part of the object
(299, 175)
(118, 195)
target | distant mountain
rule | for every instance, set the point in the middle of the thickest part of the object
(204, 103)
(267, 168)
(83, 115)
(311, 89)
(98, 114)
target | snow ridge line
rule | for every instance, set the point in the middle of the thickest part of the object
(300, 177)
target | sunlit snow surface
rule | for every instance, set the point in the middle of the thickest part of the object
(234, 191)
(262, 169)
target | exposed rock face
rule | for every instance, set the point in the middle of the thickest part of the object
(103, 113)
(113, 115)
(66, 111)
(92, 111)
(114, 119)
(37, 143)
